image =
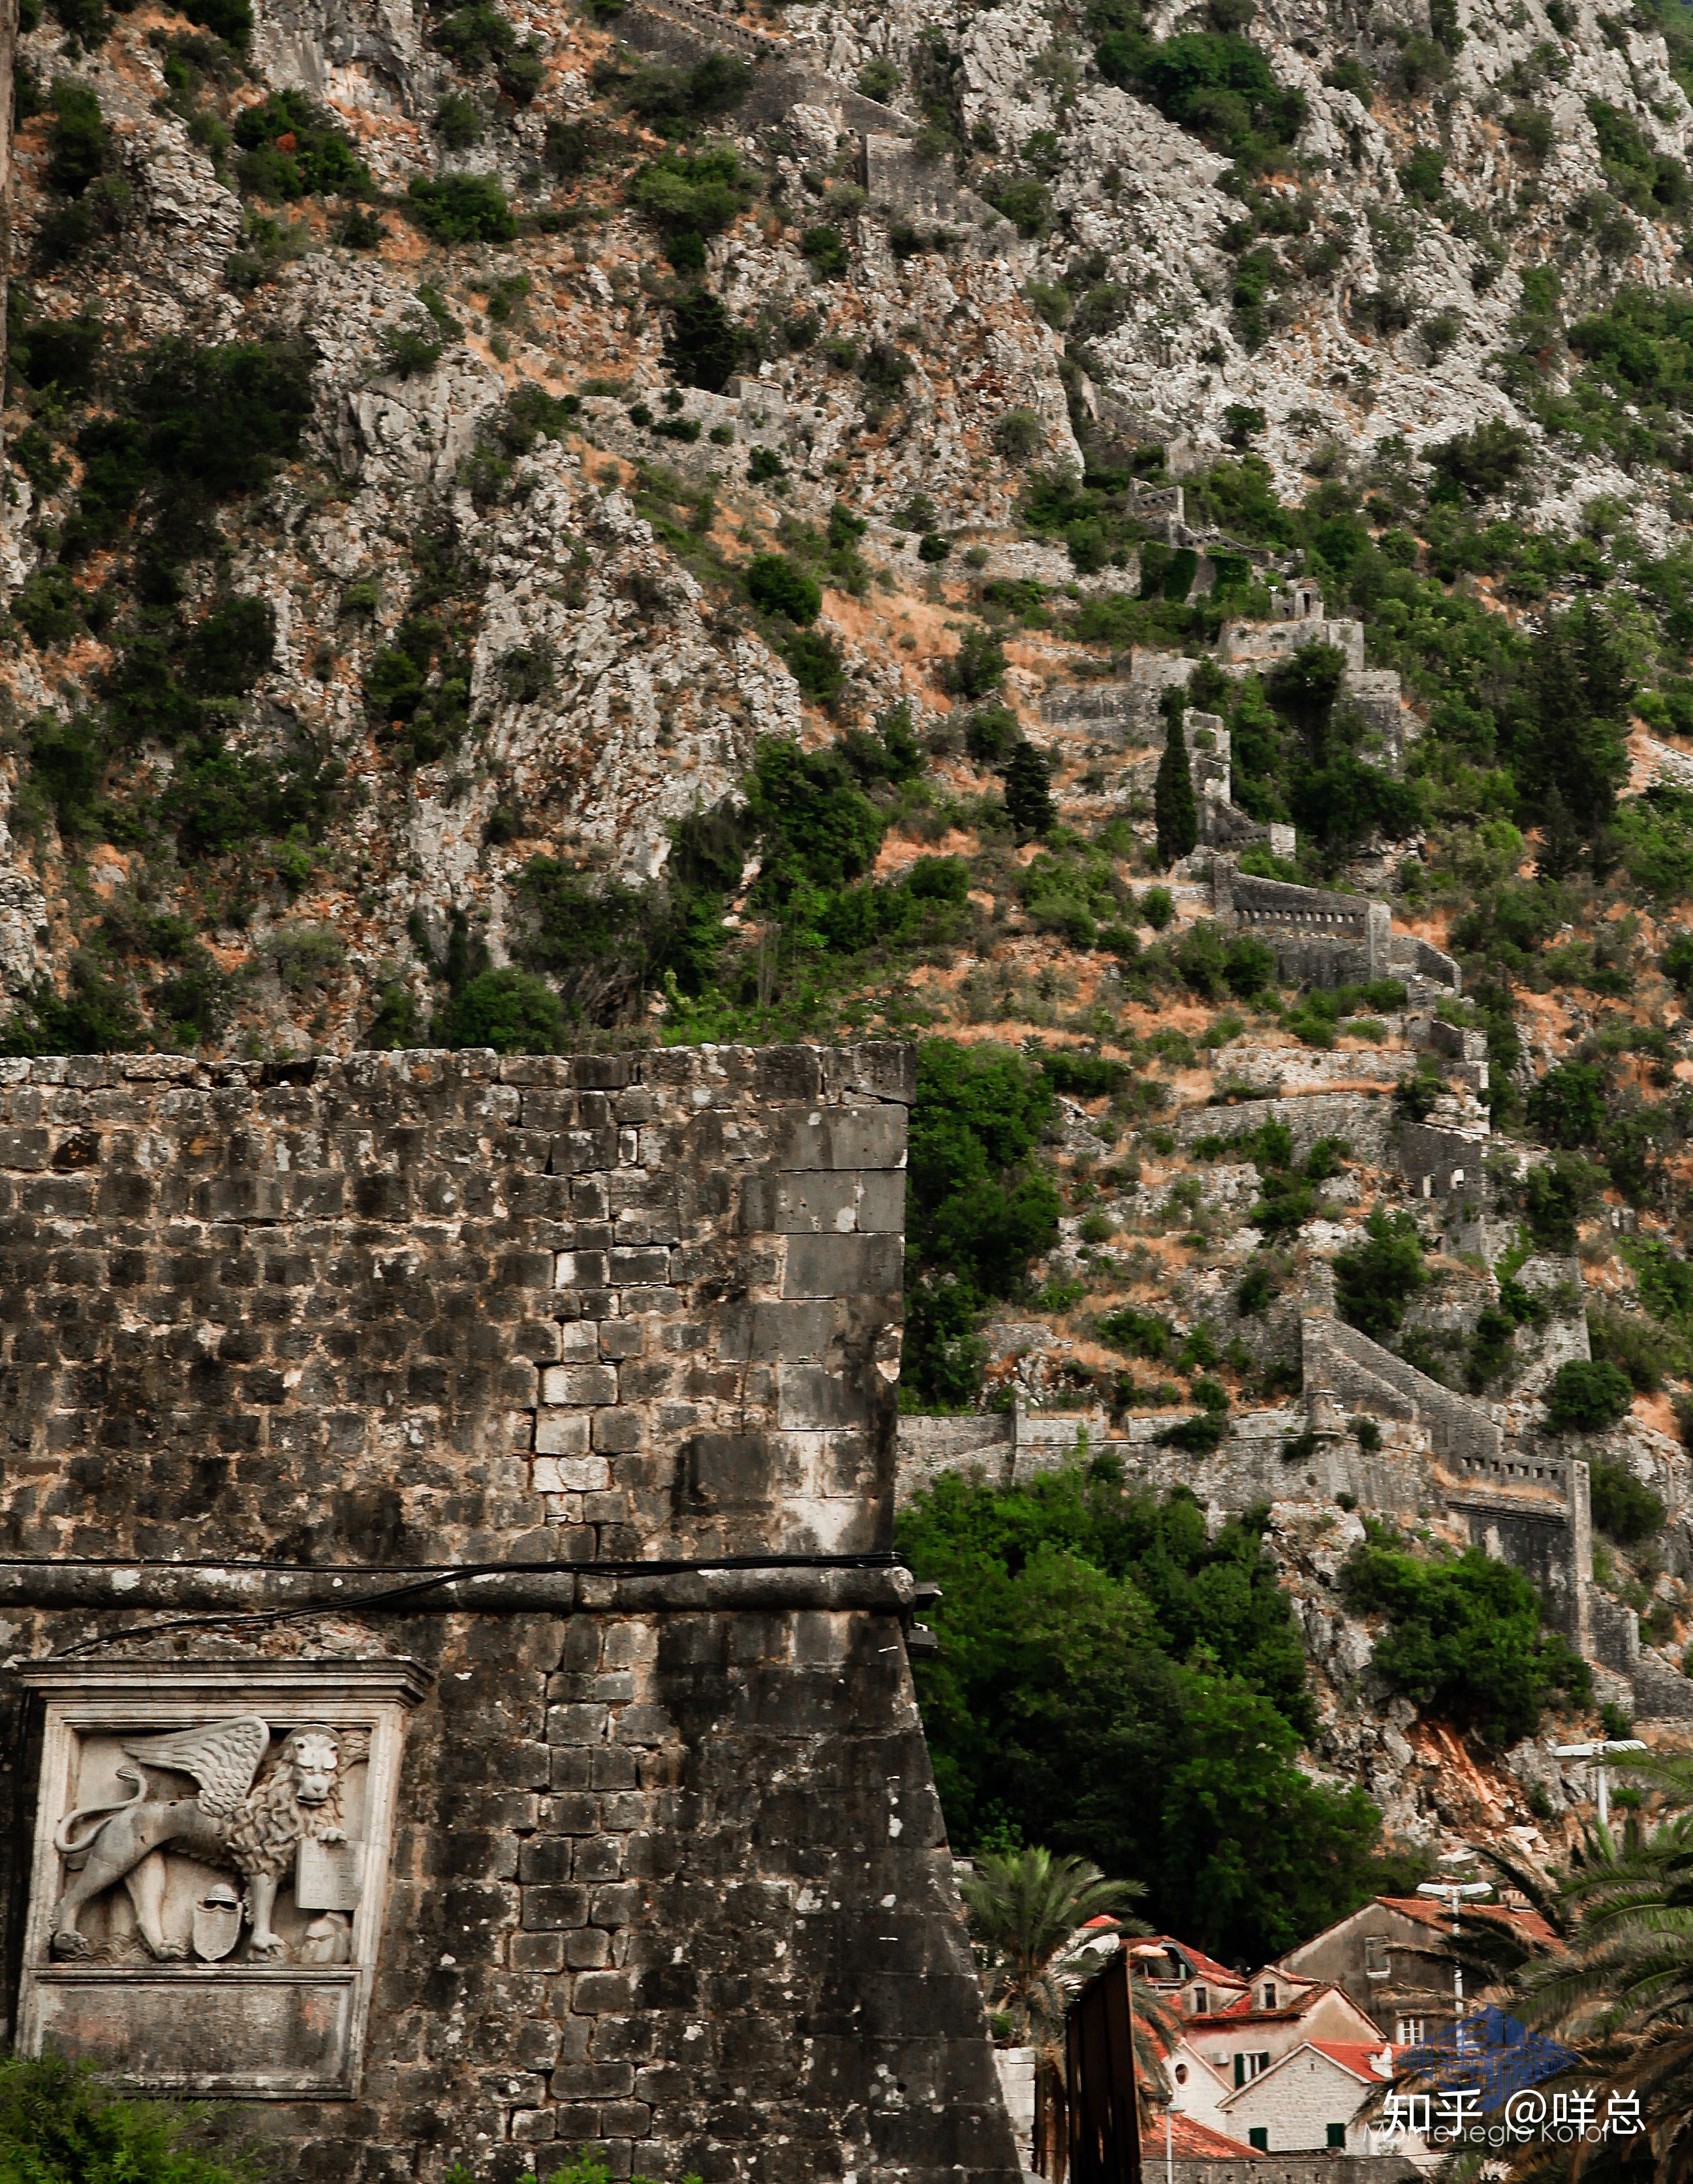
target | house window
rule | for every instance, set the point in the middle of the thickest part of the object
(1247, 2067)
(1336, 2137)
(1408, 2032)
(1180, 2074)
(1202, 2003)
(1269, 1994)
(1259, 2138)
(1377, 1963)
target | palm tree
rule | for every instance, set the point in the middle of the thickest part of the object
(1620, 1991)
(1026, 1907)
(1027, 1910)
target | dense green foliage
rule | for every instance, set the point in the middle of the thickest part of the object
(462, 208)
(1587, 1397)
(59, 2125)
(1376, 1278)
(1625, 1508)
(291, 148)
(1464, 1639)
(1216, 83)
(511, 1011)
(979, 1208)
(1116, 1683)
(1173, 802)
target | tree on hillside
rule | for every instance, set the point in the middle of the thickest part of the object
(1172, 797)
(1120, 1684)
(981, 1207)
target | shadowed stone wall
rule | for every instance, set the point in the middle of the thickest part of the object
(669, 1875)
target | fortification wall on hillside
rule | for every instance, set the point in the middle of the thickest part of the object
(399, 1388)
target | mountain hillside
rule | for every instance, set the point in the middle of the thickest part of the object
(1147, 547)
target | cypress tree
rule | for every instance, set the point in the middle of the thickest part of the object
(1172, 797)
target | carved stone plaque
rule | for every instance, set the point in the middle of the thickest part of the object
(210, 1867)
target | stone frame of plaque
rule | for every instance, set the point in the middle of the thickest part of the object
(165, 1788)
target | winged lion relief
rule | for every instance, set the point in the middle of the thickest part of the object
(256, 1819)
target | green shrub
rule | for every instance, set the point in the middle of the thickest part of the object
(1157, 908)
(693, 192)
(68, 762)
(826, 249)
(676, 101)
(703, 345)
(977, 668)
(58, 2125)
(473, 36)
(1648, 179)
(1218, 85)
(1567, 1106)
(1464, 1639)
(78, 144)
(49, 606)
(61, 352)
(1641, 344)
(1423, 175)
(1248, 965)
(226, 654)
(989, 734)
(231, 21)
(1376, 1279)
(1028, 790)
(1623, 1507)
(460, 121)
(1017, 435)
(513, 1012)
(1555, 1195)
(308, 958)
(980, 1207)
(778, 586)
(1587, 1397)
(291, 148)
(222, 418)
(94, 1015)
(462, 208)
(1025, 202)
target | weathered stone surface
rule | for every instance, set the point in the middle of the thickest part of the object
(669, 1875)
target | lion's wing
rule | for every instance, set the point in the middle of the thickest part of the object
(223, 1757)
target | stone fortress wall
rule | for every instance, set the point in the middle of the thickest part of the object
(408, 1393)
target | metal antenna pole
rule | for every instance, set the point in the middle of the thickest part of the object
(1452, 1893)
(1597, 1754)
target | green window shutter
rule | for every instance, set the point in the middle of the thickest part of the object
(1337, 2136)
(1258, 2138)
(1240, 2069)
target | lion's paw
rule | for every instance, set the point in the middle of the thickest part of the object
(271, 1947)
(169, 1952)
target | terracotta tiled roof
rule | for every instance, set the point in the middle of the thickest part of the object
(1428, 1913)
(1192, 2140)
(1357, 2056)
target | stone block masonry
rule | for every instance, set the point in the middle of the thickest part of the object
(667, 1876)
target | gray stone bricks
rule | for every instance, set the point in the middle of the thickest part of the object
(428, 1308)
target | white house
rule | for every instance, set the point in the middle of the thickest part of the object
(1307, 2102)
(1197, 2090)
(1241, 2043)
